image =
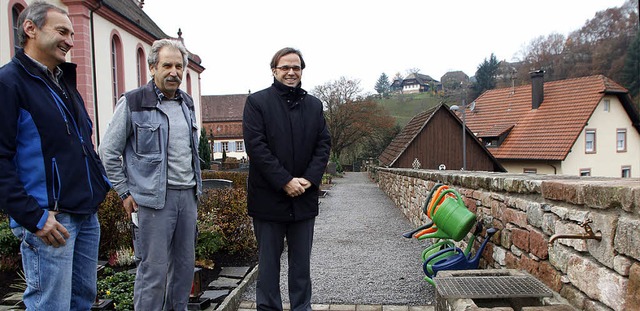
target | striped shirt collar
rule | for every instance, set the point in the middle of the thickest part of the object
(162, 97)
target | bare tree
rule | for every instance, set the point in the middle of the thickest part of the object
(413, 70)
(350, 117)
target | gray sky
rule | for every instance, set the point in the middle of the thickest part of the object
(359, 39)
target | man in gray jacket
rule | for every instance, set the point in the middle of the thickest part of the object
(150, 154)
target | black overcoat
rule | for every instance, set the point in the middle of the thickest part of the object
(286, 136)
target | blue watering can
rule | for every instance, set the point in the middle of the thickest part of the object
(455, 259)
(448, 244)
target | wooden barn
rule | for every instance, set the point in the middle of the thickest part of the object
(433, 140)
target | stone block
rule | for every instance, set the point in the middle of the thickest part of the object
(549, 223)
(632, 296)
(519, 218)
(224, 283)
(622, 265)
(534, 214)
(606, 225)
(549, 276)
(559, 256)
(215, 295)
(234, 272)
(627, 239)
(499, 254)
(538, 243)
(520, 238)
(570, 228)
(609, 195)
(598, 282)
(573, 296)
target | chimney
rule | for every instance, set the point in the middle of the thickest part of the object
(537, 88)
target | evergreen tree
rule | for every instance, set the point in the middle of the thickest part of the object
(383, 85)
(631, 70)
(204, 150)
(486, 75)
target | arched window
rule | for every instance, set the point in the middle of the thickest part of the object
(117, 68)
(141, 64)
(189, 84)
(16, 9)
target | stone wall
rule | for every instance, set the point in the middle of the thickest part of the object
(528, 210)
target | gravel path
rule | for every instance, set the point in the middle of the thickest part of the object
(359, 255)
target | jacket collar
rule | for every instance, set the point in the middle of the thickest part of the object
(287, 92)
(152, 96)
(68, 69)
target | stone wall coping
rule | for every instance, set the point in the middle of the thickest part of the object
(593, 192)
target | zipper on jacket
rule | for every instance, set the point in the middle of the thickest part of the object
(64, 112)
(56, 181)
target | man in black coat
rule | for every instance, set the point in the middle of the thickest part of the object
(288, 145)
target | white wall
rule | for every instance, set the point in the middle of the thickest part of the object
(606, 162)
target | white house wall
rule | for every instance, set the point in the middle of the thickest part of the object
(606, 162)
(540, 167)
(103, 30)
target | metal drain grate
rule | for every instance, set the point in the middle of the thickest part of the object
(491, 287)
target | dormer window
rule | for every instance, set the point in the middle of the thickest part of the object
(494, 137)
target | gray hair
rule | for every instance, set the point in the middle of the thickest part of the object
(159, 44)
(37, 13)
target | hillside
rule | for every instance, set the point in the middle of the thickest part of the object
(404, 106)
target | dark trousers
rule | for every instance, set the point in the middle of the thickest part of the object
(270, 237)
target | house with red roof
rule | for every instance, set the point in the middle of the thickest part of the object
(222, 121)
(585, 126)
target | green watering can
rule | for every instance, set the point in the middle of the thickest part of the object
(451, 217)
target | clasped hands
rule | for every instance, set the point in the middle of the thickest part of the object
(296, 186)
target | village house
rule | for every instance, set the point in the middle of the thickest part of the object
(222, 120)
(585, 126)
(431, 140)
(415, 83)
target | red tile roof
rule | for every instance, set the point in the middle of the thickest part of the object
(216, 108)
(546, 133)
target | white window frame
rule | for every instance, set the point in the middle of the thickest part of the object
(590, 144)
(240, 146)
(621, 140)
(626, 171)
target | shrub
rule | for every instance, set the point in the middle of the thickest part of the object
(9, 247)
(117, 286)
(239, 179)
(223, 223)
(210, 237)
(226, 209)
(115, 226)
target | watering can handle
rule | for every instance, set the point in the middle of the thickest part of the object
(450, 190)
(410, 234)
(442, 251)
(426, 203)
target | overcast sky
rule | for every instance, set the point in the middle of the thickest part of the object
(359, 39)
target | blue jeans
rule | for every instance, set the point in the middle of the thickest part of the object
(63, 278)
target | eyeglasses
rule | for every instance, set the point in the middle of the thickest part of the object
(287, 68)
